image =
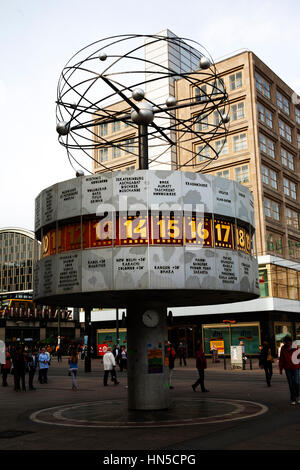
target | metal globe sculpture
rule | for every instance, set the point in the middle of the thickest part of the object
(107, 82)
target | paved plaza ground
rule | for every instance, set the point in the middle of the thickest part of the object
(239, 413)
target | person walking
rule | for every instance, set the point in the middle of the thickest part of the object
(172, 357)
(181, 354)
(31, 360)
(265, 361)
(291, 369)
(19, 366)
(73, 368)
(109, 365)
(123, 359)
(201, 365)
(5, 368)
(59, 354)
(43, 360)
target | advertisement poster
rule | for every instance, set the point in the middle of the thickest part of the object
(218, 346)
(102, 348)
(155, 361)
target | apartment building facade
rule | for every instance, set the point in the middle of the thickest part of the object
(262, 152)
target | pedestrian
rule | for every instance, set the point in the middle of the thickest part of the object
(291, 369)
(123, 359)
(59, 354)
(109, 364)
(201, 365)
(73, 369)
(116, 353)
(43, 360)
(5, 368)
(31, 365)
(19, 366)
(265, 361)
(171, 356)
(181, 354)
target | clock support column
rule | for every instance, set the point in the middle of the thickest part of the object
(148, 387)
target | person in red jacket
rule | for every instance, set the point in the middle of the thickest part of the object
(291, 368)
(201, 365)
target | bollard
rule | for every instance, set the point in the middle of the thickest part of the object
(250, 362)
(224, 362)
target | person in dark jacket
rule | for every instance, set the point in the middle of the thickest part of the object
(291, 369)
(201, 365)
(181, 354)
(32, 361)
(265, 361)
(19, 366)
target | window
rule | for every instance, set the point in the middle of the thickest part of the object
(289, 188)
(239, 142)
(203, 153)
(265, 174)
(217, 118)
(201, 123)
(287, 159)
(223, 174)
(273, 179)
(275, 210)
(267, 207)
(262, 86)
(264, 115)
(222, 147)
(242, 174)
(103, 129)
(237, 111)
(128, 168)
(271, 209)
(116, 126)
(269, 176)
(292, 218)
(103, 154)
(235, 81)
(116, 152)
(283, 103)
(129, 146)
(285, 130)
(200, 94)
(297, 115)
(218, 86)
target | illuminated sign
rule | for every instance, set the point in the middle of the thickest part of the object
(146, 228)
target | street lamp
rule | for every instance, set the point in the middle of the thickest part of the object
(230, 322)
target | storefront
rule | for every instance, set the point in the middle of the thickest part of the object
(222, 336)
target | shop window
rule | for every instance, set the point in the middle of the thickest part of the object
(263, 283)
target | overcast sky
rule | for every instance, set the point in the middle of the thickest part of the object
(38, 37)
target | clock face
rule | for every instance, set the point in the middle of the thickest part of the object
(150, 318)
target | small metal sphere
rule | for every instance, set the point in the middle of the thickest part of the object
(145, 114)
(138, 94)
(102, 56)
(62, 128)
(171, 101)
(205, 63)
(225, 118)
(73, 105)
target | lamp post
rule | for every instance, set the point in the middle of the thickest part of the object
(87, 332)
(230, 322)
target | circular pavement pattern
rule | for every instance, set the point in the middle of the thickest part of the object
(114, 413)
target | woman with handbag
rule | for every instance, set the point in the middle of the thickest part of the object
(265, 361)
